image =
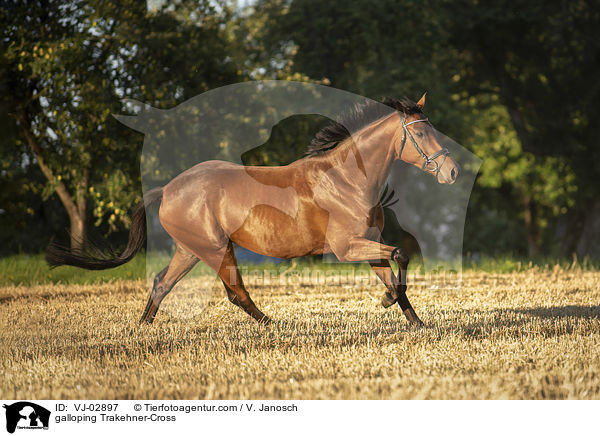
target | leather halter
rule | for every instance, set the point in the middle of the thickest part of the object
(427, 160)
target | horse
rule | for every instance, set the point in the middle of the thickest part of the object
(329, 201)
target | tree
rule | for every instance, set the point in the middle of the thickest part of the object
(514, 82)
(541, 61)
(537, 187)
(57, 76)
(66, 68)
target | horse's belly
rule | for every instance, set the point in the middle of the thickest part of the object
(271, 232)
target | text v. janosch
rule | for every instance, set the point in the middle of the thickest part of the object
(277, 408)
(248, 407)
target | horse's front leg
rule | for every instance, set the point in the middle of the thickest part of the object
(361, 249)
(402, 259)
(396, 291)
(385, 273)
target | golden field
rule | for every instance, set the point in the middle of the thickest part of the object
(526, 335)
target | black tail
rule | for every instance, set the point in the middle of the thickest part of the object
(92, 257)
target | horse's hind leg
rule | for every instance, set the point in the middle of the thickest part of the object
(236, 292)
(183, 261)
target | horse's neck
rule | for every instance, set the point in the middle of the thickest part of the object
(365, 160)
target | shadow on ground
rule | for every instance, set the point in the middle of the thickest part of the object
(584, 312)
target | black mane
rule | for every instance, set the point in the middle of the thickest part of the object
(361, 115)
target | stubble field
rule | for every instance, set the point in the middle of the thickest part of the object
(526, 335)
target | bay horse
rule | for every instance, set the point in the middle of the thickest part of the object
(325, 202)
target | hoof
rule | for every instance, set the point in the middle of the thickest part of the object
(149, 313)
(417, 326)
(413, 319)
(387, 300)
(145, 321)
(265, 320)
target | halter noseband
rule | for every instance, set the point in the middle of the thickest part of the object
(427, 159)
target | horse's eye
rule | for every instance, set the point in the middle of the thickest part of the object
(420, 134)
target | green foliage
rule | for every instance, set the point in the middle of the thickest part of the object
(514, 82)
(510, 176)
(541, 61)
(65, 70)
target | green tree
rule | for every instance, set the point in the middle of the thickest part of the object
(537, 187)
(57, 76)
(541, 61)
(514, 82)
(66, 66)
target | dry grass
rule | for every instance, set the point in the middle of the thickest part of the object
(529, 335)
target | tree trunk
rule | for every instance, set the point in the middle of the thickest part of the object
(573, 231)
(79, 219)
(587, 245)
(78, 232)
(77, 209)
(533, 247)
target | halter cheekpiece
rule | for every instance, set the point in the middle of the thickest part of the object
(427, 160)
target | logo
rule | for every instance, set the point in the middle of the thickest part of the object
(26, 415)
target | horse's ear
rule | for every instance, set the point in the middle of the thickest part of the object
(421, 102)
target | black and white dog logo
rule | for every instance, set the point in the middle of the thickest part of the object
(26, 415)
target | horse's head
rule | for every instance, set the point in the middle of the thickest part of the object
(416, 143)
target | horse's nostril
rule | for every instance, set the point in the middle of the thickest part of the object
(453, 174)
